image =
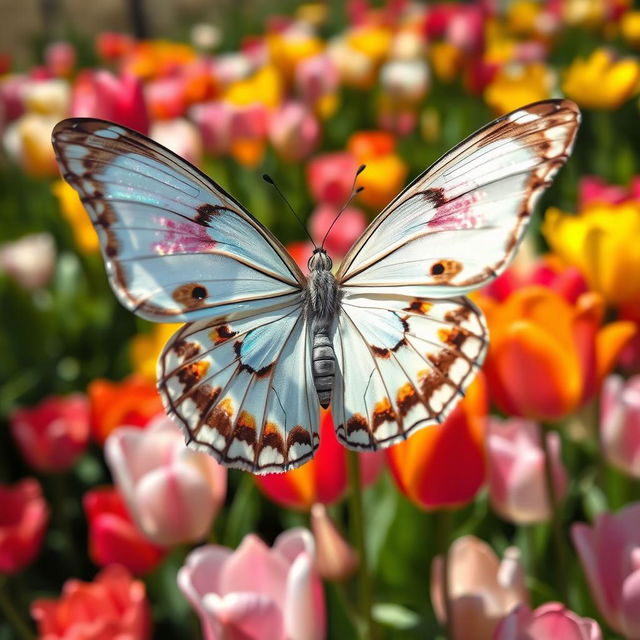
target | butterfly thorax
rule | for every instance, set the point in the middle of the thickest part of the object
(322, 301)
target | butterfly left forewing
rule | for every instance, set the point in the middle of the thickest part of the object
(241, 389)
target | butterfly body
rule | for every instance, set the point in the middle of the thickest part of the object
(390, 340)
(322, 302)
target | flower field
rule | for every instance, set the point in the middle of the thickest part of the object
(516, 518)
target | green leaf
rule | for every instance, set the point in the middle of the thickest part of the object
(395, 616)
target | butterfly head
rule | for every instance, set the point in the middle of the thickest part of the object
(320, 261)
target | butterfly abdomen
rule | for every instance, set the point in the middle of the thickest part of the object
(324, 366)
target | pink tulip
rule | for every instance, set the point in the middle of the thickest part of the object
(166, 97)
(316, 77)
(29, 260)
(482, 589)
(100, 94)
(331, 177)
(173, 493)
(257, 593)
(609, 551)
(593, 189)
(335, 558)
(294, 131)
(620, 423)
(181, 136)
(517, 486)
(60, 58)
(345, 232)
(551, 621)
(54, 433)
(213, 120)
(12, 97)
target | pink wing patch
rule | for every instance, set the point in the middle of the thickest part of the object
(183, 237)
(457, 213)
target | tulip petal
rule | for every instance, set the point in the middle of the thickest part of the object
(610, 342)
(304, 602)
(630, 606)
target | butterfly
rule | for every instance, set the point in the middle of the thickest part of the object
(390, 340)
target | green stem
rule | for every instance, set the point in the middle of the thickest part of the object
(444, 527)
(556, 520)
(11, 614)
(356, 519)
(57, 482)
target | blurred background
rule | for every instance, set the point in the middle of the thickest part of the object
(521, 512)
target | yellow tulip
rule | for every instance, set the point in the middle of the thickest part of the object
(73, 210)
(601, 81)
(514, 86)
(630, 27)
(446, 60)
(145, 348)
(288, 49)
(264, 86)
(600, 243)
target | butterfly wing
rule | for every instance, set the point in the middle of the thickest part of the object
(176, 246)
(242, 390)
(407, 342)
(458, 225)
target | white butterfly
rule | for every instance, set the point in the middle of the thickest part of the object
(390, 340)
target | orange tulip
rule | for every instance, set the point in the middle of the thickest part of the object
(547, 356)
(132, 402)
(444, 465)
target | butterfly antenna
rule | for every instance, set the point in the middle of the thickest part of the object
(354, 193)
(269, 180)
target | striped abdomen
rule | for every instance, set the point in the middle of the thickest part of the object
(323, 366)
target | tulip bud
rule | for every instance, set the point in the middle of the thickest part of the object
(335, 559)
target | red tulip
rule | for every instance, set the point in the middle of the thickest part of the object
(53, 434)
(113, 536)
(345, 232)
(444, 465)
(113, 606)
(23, 520)
(323, 479)
(60, 58)
(100, 94)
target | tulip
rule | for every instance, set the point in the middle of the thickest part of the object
(100, 94)
(609, 551)
(11, 97)
(550, 621)
(385, 171)
(355, 67)
(257, 593)
(444, 465)
(324, 478)
(516, 461)
(145, 348)
(180, 136)
(405, 81)
(547, 357)
(262, 90)
(548, 271)
(29, 260)
(346, 231)
(60, 58)
(173, 493)
(482, 588)
(597, 242)
(232, 67)
(630, 28)
(132, 402)
(213, 120)
(514, 86)
(317, 81)
(112, 47)
(114, 605)
(330, 177)
(53, 434)
(290, 47)
(294, 131)
(248, 126)
(73, 210)
(601, 81)
(446, 60)
(165, 98)
(630, 358)
(27, 142)
(594, 190)
(301, 252)
(620, 423)
(113, 536)
(335, 559)
(23, 520)
(205, 36)
(47, 97)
